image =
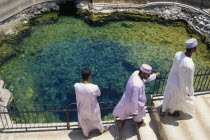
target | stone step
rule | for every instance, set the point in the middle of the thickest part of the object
(203, 112)
(148, 132)
(197, 127)
(109, 135)
(45, 126)
(128, 131)
(184, 127)
(60, 135)
(208, 99)
(168, 126)
(207, 96)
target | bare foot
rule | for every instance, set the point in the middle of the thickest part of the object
(105, 129)
(122, 122)
(141, 124)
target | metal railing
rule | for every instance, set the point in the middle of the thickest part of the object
(65, 117)
(35, 117)
(201, 81)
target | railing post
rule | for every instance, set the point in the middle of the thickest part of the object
(67, 119)
(116, 129)
(202, 4)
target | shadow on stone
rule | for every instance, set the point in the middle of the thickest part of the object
(128, 130)
(78, 135)
(113, 132)
(172, 120)
(154, 129)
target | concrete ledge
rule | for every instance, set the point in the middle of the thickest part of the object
(158, 124)
(9, 8)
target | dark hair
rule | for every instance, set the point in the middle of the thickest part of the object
(86, 72)
(140, 71)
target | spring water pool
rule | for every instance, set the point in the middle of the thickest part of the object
(52, 55)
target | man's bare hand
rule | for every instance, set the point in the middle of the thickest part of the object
(157, 74)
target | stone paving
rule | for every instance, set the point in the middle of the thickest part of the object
(184, 127)
(58, 135)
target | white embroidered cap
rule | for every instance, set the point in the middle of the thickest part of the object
(191, 43)
(146, 68)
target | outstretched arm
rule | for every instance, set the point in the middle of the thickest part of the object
(152, 77)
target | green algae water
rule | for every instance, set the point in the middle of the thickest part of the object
(51, 58)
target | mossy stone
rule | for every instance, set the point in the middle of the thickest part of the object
(127, 25)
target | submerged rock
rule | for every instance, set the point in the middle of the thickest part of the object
(128, 25)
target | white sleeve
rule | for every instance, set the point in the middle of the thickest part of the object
(97, 92)
(186, 74)
(151, 78)
(189, 81)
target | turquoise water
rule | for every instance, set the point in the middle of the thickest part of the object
(52, 56)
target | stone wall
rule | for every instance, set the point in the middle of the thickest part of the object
(119, 1)
(197, 3)
(196, 18)
(9, 8)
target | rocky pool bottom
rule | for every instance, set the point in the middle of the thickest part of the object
(43, 63)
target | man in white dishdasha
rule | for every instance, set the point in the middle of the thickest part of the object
(134, 99)
(89, 114)
(179, 91)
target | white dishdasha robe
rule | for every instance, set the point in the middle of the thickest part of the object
(133, 99)
(5, 99)
(89, 114)
(179, 91)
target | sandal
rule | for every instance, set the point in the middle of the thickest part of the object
(141, 124)
(175, 114)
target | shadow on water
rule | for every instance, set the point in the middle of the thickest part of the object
(59, 68)
(109, 93)
(128, 66)
(67, 8)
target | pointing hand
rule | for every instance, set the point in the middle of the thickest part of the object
(157, 74)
